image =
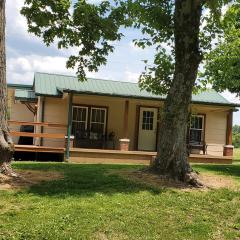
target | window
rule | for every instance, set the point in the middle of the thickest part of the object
(79, 120)
(197, 128)
(98, 120)
(88, 122)
(147, 123)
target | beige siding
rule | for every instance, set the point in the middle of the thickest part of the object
(55, 111)
(18, 112)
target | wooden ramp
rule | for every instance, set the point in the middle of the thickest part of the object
(81, 155)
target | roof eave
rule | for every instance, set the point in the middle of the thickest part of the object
(48, 95)
(19, 86)
(32, 100)
(148, 98)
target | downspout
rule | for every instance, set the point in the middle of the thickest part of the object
(69, 130)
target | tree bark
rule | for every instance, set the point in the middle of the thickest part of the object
(172, 157)
(6, 143)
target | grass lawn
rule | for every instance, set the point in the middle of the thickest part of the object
(90, 203)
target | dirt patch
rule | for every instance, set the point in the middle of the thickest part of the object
(27, 178)
(154, 180)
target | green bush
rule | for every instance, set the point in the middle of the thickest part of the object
(236, 136)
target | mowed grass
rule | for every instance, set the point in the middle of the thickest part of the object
(93, 203)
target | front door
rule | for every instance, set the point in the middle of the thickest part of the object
(147, 129)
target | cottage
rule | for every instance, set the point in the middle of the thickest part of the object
(112, 115)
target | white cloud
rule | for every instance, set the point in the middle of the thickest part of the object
(94, 1)
(134, 47)
(16, 23)
(231, 97)
(131, 76)
(21, 69)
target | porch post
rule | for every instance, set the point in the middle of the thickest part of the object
(228, 148)
(126, 119)
(124, 143)
(69, 129)
(37, 129)
(229, 128)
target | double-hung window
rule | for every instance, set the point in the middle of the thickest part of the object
(79, 120)
(89, 119)
(98, 120)
(196, 128)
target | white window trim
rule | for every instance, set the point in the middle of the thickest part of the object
(105, 118)
(86, 121)
(203, 125)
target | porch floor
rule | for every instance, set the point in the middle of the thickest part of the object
(82, 155)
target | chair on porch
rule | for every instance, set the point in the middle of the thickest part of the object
(201, 145)
(90, 139)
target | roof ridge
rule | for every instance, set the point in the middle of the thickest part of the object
(59, 74)
(91, 78)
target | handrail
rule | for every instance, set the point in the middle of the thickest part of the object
(50, 125)
(38, 135)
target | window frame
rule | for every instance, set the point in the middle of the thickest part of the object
(87, 113)
(203, 129)
(89, 107)
(105, 118)
(147, 125)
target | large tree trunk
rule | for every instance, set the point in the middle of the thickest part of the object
(6, 143)
(172, 157)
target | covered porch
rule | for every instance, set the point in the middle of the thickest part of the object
(119, 129)
(91, 155)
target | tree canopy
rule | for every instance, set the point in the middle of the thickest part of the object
(236, 136)
(94, 27)
(222, 64)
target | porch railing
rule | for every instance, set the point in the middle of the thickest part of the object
(37, 134)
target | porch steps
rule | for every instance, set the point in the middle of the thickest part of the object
(81, 155)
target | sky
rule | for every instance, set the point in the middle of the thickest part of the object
(27, 54)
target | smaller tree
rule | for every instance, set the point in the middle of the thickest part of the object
(222, 65)
(236, 136)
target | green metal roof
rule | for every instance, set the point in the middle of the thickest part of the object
(25, 94)
(19, 86)
(54, 85)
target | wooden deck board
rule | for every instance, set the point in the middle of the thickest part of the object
(88, 150)
(80, 155)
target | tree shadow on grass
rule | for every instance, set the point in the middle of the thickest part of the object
(85, 180)
(227, 170)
